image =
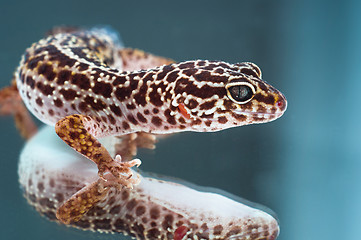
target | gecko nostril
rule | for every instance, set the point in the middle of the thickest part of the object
(280, 103)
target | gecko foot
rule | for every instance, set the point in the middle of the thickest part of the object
(120, 170)
(75, 130)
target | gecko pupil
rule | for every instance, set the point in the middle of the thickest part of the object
(241, 93)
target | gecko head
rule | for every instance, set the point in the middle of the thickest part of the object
(220, 95)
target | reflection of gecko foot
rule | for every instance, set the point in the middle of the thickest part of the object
(82, 201)
(120, 170)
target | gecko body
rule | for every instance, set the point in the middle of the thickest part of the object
(76, 80)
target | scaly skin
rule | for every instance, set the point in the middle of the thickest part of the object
(72, 80)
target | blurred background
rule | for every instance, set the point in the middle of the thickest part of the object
(305, 166)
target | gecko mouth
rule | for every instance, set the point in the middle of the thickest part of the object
(265, 115)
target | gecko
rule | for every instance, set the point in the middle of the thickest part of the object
(76, 81)
(156, 208)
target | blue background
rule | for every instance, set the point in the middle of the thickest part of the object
(305, 166)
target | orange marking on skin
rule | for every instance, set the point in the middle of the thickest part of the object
(184, 111)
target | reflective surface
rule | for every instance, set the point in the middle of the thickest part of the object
(305, 166)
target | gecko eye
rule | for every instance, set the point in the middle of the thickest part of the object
(240, 92)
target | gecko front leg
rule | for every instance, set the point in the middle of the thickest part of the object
(77, 131)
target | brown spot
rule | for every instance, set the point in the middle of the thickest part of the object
(47, 71)
(83, 107)
(219, 71)
(122, 93)
(111, 201)
(63, 75)
(154, 213)
(102, 224)
(51, 112)
(102, 88)
(239, 117)
(131, 204)
(132, 119)
(69, 94)
(45, 202)
(119, 80)
(59, 197)
(154, 97)
(34, 62)
(52, 182)
(104, 118)
(140, 210)
(140, 95)
(170, 118)
(129, 217)
(82, 224)
(192, 104)
(218, 230)
(148, 77)
(120, 225)
(190, 72)
(96, 104)
(156, 121)
(41, 186)
(45, 89)
(256, 235)
(249, 72)
(116, 110)
(32, 198)
(39, 101)
(203, 235)
(168, 221)
(125, 126)
(133, 83)
(81, 80)
(155, 110)
(95, 211)
(172, 76)
(153, 233)
(30, 82)
(146, 112)
(234, 231)
(139, 230)
(207, 105)
(130, 106)
(186, 65)
(205, 92)
(141, 118)
(115, 210)
(82, 66)
(111, 119)
(222, 120)
(182, 120)
(204, 226)
(269, 99)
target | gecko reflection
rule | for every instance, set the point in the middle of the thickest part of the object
(50, 173)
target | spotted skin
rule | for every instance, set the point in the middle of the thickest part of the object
(76, 81)
(50, 173)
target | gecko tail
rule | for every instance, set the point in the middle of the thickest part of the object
(109, 31)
